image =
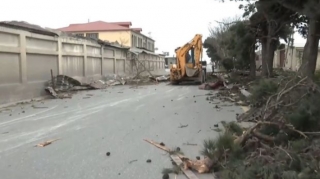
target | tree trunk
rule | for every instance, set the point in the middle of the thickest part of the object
(310, 52)
(264, 57)
(270, 57)
(253, 62)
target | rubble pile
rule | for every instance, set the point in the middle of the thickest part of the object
(63, 86)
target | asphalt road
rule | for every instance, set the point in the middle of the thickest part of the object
(114, 120)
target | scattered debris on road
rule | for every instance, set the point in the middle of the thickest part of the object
(148, 161)
(38, 107)
(132, 161)
(43, 144)
(165, 176)
(108, 154)
(180, 160)
(183, 126)
(190, 143)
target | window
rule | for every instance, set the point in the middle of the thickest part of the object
(80, 35)
(144, 42)
(299, 54)
(140, 42)
(92, 35)
(132, 39)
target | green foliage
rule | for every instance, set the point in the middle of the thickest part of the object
(234, 128)
(211, 49)
(215, 147)
(299, 145)
(263, 89)
(227, 64)
(307, 116)
(175, 169)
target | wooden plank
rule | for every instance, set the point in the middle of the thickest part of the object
(175, 158)
(179, 162)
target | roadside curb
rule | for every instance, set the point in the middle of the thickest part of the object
(23, 101)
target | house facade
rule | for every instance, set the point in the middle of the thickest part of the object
(120, 32)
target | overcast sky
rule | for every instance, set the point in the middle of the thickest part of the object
(172, 23)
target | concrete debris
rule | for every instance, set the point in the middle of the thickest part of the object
(113, 83)
(245, 92)
(159, 78)
(62, 85)
(99, 84)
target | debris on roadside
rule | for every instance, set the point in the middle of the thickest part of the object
(159, 78)
(186, 165)
(278, 137)
(62, 86)
(211, 86)
(5, 110)
(43, 144)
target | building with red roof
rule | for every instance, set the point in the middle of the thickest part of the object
(120, 32)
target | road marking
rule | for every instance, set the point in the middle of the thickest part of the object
(119, 102)
(180, 98)
(170, 90)
(138, 107)
(25, 117)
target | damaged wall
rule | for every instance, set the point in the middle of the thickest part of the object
(27, 58)
(154, 63)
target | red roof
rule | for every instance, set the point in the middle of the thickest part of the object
(94, 26)
(122, 23)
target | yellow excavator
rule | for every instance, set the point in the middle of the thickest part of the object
(189, 65)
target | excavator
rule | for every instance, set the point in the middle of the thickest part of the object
(189, 66)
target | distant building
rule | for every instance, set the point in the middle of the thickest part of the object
(291, 58)
(287, 58)
(120, 32)
(170, 60)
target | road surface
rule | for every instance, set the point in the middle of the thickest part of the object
(114, 120)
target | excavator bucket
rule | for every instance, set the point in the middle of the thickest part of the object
(191, 72)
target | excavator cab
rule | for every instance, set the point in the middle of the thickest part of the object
(189, 65)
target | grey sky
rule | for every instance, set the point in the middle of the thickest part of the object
(171, 22)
